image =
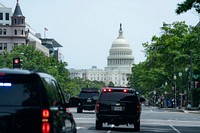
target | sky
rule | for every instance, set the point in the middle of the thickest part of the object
(87, 28)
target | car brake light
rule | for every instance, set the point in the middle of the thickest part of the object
(45, 127)
(104, 90)
(45, 121)
(109, 90)
(45, 113)
(125, 90)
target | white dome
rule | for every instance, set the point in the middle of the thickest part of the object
(120, 54)
(120, 43)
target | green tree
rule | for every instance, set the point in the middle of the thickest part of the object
(111, 84)
(187, 5)
(166, 55)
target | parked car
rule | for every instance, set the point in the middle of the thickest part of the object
(32, 102)
(118, 105)
(87, 99)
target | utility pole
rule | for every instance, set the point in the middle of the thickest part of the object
(191, 82)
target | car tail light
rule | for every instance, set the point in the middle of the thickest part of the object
(107, 90)
(46, 127)
(125, 90)
(45, 121)
(104, 90)
(138, 109)
(97, 107)
(45, 113)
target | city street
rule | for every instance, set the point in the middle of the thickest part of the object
(153, 120)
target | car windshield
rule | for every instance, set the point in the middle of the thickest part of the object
(19, 91)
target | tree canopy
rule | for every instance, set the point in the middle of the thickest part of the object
(167, 55)
(188, 5)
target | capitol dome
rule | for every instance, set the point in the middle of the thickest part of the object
(120, 54)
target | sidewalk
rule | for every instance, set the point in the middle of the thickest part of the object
(194, 111)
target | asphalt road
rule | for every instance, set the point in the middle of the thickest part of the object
(153, 120)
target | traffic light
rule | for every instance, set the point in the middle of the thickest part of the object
(16, 63)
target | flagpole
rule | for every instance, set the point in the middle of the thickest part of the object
(44, 33)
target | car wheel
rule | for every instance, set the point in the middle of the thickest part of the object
(137, 126)
(98, 125)
(79, 110)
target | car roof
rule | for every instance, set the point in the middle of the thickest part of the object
(14, 71)
(23, 72)
(119, 88)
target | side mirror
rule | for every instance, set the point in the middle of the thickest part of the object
(142, 99)
(73, 102)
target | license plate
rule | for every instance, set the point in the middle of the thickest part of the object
(117, 108)
(89, 100)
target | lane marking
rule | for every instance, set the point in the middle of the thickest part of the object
(109, 131)
(175, 129)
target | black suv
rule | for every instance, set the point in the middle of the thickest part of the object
(118, 105)
(32, 102)
(87, 99)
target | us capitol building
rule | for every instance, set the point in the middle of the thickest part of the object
(119, 64)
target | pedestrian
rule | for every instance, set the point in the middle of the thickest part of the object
(188, 106)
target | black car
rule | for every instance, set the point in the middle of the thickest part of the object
(32, 102)
(87, 99)
(118, 105)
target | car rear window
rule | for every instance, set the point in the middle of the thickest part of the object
(20, 90)
(88, 94)
(115, 96)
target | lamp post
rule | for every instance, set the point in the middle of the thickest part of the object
(175, 90)
(187, 84)
(180, 91)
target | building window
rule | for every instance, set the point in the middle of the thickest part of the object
(0, 31)
(15, 32)
(22, 32)
(0, 46)
(5, 46)
(4, 31)
(7, 16)
(15, 44)
(1, 16)
(22, 21)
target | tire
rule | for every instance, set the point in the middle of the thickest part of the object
(98, 125)
(137, 126)
(79, 110)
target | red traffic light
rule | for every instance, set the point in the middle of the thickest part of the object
(16, 63)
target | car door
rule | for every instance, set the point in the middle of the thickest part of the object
(56, 106)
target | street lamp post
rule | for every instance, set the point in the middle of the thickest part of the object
(187, 84)
(175, 90)
(180, 91)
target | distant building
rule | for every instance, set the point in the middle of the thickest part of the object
(119, 64)
(14, 31)
(53, 46)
